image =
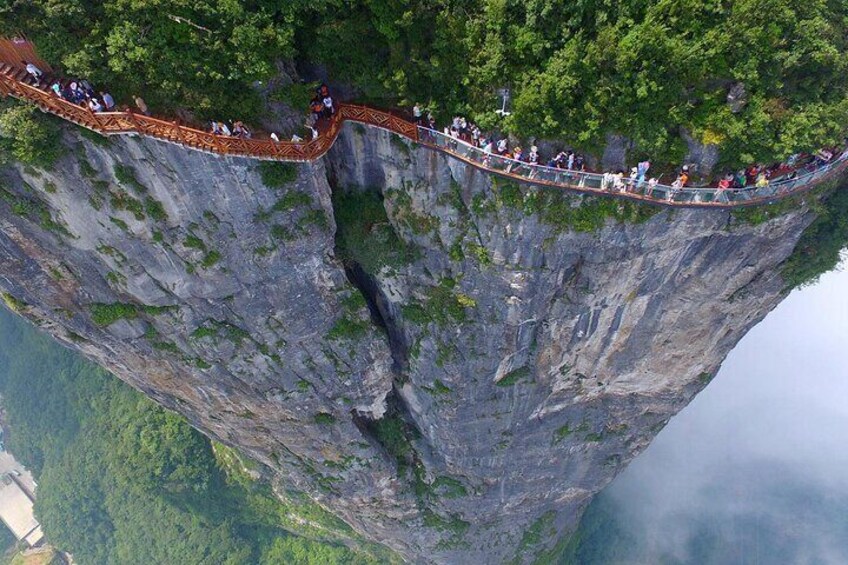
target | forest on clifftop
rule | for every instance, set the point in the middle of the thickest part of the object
(577, 70)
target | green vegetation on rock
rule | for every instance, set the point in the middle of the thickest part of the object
(126, 176)
(442, 305)
(365, 236)
(277, 175)
(104, 314)
(565, 212)
(13, 303)
(325, 419)
(515, 376)
(819, 248)
(27, 135)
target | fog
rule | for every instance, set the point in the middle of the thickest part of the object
(755, 469)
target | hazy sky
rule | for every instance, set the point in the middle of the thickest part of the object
(757, 464)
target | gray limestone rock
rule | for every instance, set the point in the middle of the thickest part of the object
(535, 345)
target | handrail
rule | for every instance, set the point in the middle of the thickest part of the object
(600, 184)
(130, 123)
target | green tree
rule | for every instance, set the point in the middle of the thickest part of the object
(29, 136)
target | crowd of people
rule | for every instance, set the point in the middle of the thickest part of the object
(638, 180)
(78, 91)
(322, 106)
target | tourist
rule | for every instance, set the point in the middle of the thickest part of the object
(94, 105)
(417, 114)
(503, 147)
(633, 179)
(141, 105)
(329, 110)
(618, 181)
(317, 107)
(762, 180)
(224, 129)
(108, 101)
(642, 168)
(216, 129)
(56, 87)
(295, 138)
(274, 137)
(87, 89)
(533, 157)
(77, 96)
(570, 160)
(431, 120)
(684, 176)
(33, 71)
(824, 155)
(579, 162)
(652, 184)
(606, 181)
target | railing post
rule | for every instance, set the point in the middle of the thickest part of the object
(176, 124)
(131, 115)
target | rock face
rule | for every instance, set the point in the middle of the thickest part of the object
(530, 348)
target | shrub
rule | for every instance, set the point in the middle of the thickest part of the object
(13, 303)
(391, 433)
(120, 223)
(365, 235)
(108, 314)
(210, 259)
(126, 176)
(194, 242)
(277, 175)
(348, 327)
(104, 314)
(561, 433)
(324, 419)
(818, 250)
(514, 376)
(155, 209)
(30, 136)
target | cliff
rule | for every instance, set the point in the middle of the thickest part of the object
(452, 364)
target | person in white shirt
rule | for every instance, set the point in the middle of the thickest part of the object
(33, 71)
(328, 106)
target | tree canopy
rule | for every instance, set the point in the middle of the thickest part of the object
(577, 70)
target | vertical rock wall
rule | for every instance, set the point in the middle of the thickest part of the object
(530, 350)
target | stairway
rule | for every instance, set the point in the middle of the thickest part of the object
(20, 75)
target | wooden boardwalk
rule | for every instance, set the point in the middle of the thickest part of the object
(14, 81)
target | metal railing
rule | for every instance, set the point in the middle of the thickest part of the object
(606, 185)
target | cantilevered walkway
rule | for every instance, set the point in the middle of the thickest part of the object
(14, 81)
